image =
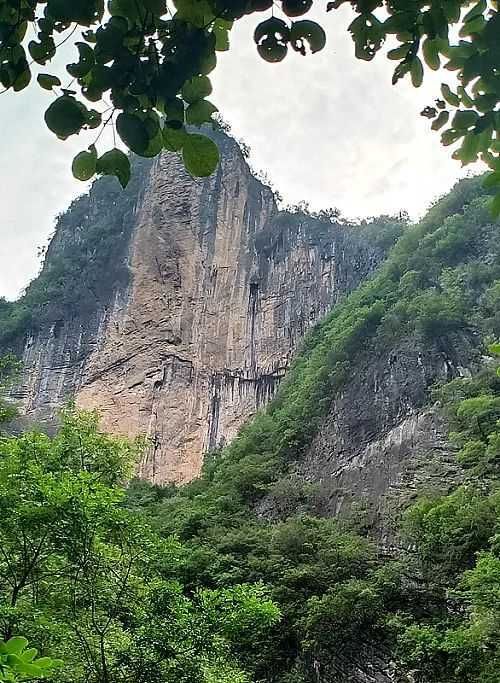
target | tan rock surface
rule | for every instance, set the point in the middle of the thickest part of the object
(222, 288)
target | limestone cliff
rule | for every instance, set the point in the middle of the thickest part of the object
(205, 295)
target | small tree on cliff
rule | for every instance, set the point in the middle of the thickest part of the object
(144, 66)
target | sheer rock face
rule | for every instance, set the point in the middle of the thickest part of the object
(221, 289)
(383, 439)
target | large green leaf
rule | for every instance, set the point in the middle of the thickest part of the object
(173, 138)
(116, 163)
(196, 12)
(22, 80)
(157, 7)
(133, 132)
(15, 645)
(85, 62)
(309, 32)
(430, 49)
(464, 119)
(468, 150)
(200, 155)
(294, 8)
(42, 51)
(200, 112)
(220, 30)
(272, 37)
(47, 81)
(492, 179)
(155, 145)
(441, 119)
(449, 95)
(84, 164)
(416, 72)
(65, 116)
(196, 89)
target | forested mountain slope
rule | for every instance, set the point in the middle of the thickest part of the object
(175, 306)
(360, 427)
(362, 500)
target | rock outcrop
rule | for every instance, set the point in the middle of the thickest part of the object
(220, 289)
(383, 438)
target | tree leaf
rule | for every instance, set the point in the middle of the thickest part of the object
(85, 63)
(15, 645)
(22, 80)
(295, 8)
(220, 30)
(173, 139)
(196, 89)
(133, 132)
(464, 97)
(310, 32)
(431, 54)
(271, 50)
(84, 164)
(47, 81)
(44, 663)
(475, 25)
(200, 155)
(440, 121)
(155, 145)
(464, 119)
(399, 52)
(468, 150)
(200, 112)
(450, 136)
(156, 7)
(416, 72)
(173, 108)
(477, 10)
(491, 180)
(271, 27)
(65, 116)
(449, 96)
(116, 163)
(30, 654)
(42, 51)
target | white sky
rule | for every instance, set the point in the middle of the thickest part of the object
(326, 128)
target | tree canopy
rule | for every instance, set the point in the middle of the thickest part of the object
(143, 67)
(90, 581)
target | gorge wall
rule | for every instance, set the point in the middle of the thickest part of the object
(190, 324)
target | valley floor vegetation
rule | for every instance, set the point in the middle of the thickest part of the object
(125, 581)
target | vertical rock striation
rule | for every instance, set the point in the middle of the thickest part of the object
(221, 288)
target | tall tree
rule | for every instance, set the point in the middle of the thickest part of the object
(84, 577)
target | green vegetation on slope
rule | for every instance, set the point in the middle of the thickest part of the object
(89, 581)
(86, 259)
(454, 634)
(441, 279)
(187, 584)
(9, 366)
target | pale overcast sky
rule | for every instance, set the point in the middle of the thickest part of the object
(326, 128)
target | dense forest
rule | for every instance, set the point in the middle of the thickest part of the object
(113, 579)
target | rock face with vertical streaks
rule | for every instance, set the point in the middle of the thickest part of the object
(220, 287)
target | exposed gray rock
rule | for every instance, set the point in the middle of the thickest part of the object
(381, 439)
